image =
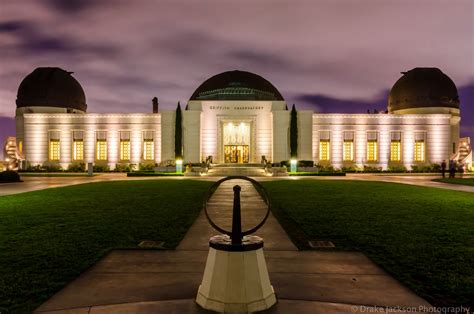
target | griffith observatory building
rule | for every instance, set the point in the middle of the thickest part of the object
(238, 117)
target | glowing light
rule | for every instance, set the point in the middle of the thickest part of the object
(179, 166)
(293, 164)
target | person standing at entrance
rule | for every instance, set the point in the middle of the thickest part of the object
(452, 168)
(443, 168)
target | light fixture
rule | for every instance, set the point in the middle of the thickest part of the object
(179, 166)
(293, 164)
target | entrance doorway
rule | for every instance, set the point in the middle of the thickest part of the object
(236, 154)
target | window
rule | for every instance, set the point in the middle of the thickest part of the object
(324, 146)
(372, 147)
(395, 147)
(20, 147)
(54, 150)
(78, 145)
(101, 145)
(125, 145)
(419, 147)
(348, 147)
(54, 146)
(148, 146)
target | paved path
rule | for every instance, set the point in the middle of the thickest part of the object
(142, 281)
(41, 183)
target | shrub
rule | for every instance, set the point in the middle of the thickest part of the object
(122, 168)
(52, 168)
(81, 167)
(101, 168)
(397, 169)
(349, 169)
(323, 168)
(426, 168)
(305, 163)
(146, 167)
(372, 169)
(36, 168)
(9, 176)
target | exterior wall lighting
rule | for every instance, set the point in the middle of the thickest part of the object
(293, 164)
(179, 166)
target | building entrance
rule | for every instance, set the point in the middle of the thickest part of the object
(236, 142)
(236, 154)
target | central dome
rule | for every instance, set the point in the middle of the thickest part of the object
(236, 85)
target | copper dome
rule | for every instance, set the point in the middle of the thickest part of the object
(236, 85)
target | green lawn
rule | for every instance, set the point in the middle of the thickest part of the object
(465, 181)
(47, 238)
(423, 236)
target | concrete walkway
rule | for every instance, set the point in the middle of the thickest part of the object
(142, 281)
(41, 183)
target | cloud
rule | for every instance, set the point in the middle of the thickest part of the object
(71, 6)
(338, 53)
(7, 128)
(327, 104)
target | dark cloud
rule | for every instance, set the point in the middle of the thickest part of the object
(336, 56)
(72, 6)
(261, 59)
(466, 96)
(327, 104)
(12, 26)
(7, 128)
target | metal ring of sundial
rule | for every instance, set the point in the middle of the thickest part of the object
(261, 191)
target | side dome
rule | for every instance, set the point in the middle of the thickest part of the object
(236, 85)
(422, 88)
(51, 87)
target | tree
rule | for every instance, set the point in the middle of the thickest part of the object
(178, 134)
(293, 133)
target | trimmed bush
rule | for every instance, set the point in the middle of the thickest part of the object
(9, 176)
(145, 167)
(305, 163)
(77, 167)
(101, 168)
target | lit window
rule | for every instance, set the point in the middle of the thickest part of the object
(372, 148)
(395, 151)
(54, 150)
(78, 150)
(324, 150)
(148, 149)
(148, 145)
(78, 145)
(419, 150)
(124, 145)
(124, 149)
(348, 151)
(101, 150)
(372, 151)
(20, 147)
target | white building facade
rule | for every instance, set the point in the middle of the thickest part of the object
(237, 117)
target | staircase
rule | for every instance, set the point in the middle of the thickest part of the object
(224, 170)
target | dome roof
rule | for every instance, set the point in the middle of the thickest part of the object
(236, 85)
(421, 88)
(51, 87)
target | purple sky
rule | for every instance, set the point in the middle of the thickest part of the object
(337, 56)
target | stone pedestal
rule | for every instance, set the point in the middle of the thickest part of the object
(236, 280)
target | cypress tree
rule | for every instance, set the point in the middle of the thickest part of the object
(293, 133)
(178, 134)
